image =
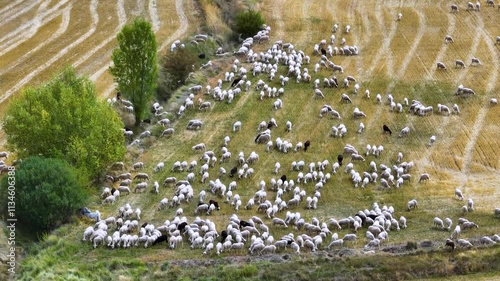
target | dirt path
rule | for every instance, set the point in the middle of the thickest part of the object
(153, 13)
(277, 15)
(66, 16)
(27, 78)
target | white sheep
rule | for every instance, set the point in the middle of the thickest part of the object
(400, 16)
(412, 204)
(470, 204)
(459, 194)
(432, 140)
(237, 126)
(438, 223)
(493, 101)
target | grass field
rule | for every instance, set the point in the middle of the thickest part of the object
(395, 57)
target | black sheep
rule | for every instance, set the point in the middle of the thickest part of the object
(233, 172)
(181, 226)
(235, 82)
(201, 56)
(244, 223)
(283, 178)
(144, 225)
(340, 157)
(163, 238)
(306, 145)
(450, 243)
(223, 236)
(387, 130)
(113, 191)
(216, 204)
(323, 52)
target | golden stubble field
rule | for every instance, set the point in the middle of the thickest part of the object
(38, 38)
(395, 57)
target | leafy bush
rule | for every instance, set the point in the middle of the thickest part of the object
(249, 23)
(47, 193)
(63, 119)
(175, 69)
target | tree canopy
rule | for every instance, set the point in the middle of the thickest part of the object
(248, 23)
(135, 67)
(47, 193)
(63, 119)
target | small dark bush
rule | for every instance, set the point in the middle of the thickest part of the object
(249, 23)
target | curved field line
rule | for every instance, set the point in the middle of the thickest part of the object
(122, 19)
(481, 116)
(384, 50)
(27, 78)
(33, 25)
(9, 7)
(414, 44)
(473, 49)
(153, 12)
(66, 14)
(184, 24)
(442, 50)
(16, 13)
(404, 65)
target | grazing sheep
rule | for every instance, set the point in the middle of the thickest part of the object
(470, 205)
(405, 131)
(475, 61)
(454, 8)
(237, 126)
(400, 16)
(432, 140)
(493, 101)
(438, 223)
(448, 39)
(450, 243)
(459, 194)
(424, 177)
(412, 204)
(459, 64)
(441, 65)
(464, 243)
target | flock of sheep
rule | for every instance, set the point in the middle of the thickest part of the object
(277, 200)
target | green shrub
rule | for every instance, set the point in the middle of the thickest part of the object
(249, 23)
(47, 193)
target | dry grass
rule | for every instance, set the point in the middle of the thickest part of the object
(395, 57)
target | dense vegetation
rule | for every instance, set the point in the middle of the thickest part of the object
(175, 69)
(248, 23)
(48, 192)
(64, 119)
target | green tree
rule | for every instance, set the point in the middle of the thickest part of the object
(47, 193)
(175, 69)
(249, 23)
(63, 119)
(135, 67)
